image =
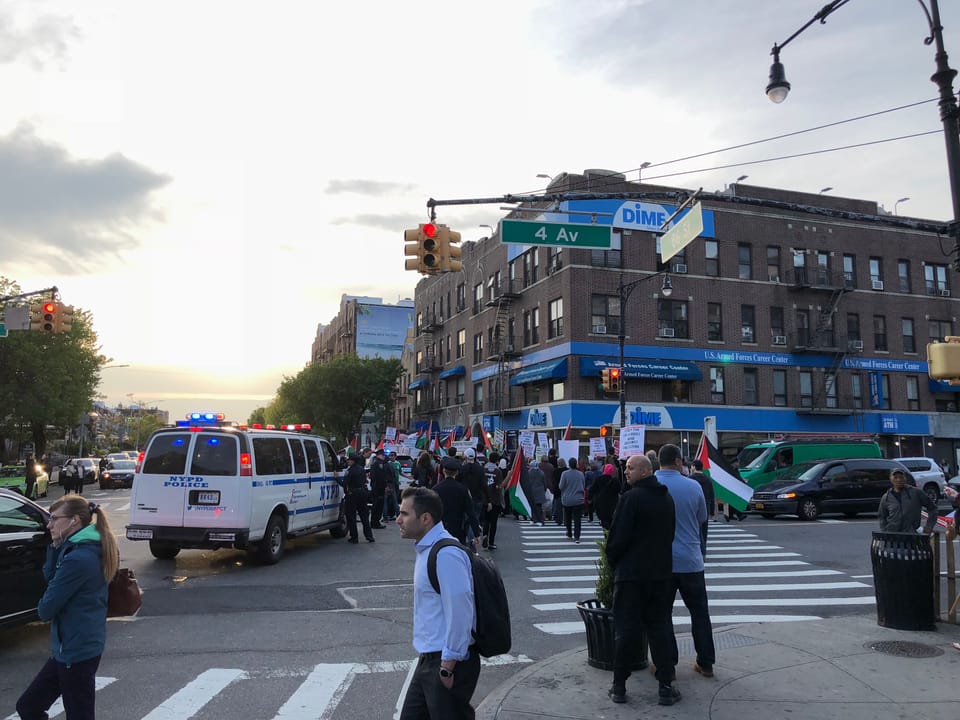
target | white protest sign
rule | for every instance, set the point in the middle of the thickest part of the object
(526, 442)
(631, 440)
(391, 434)
(568, 449)
(543, 440)
(598, 447)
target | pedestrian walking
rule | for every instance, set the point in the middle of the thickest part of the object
(449, 666)
(901, 505)
(355, 502)
(494, 501)
(474, 478)
(380, 474)
(458, 509)
(688, 578)
(640, 551)
(30, 474)
(706, 484)
(67, 477)
(538, 491)
(572, 495)
(81, 561)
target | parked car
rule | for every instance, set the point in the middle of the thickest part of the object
(118, 473)
(929, 476)
(133, 454)
(117, 456)
(23, 549)
(89, 466)
(15, 478)
(847, 486)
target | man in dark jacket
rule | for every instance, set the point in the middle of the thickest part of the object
(380, 474)
(706, 484)
(640, 551)
(355, 502)
(900, 506)
(457, 506)
(474, 479)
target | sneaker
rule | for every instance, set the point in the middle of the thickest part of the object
(577, 541)
(618, 693)
(491, 547)
(371, 539)
(668, 695)
(484, 543)
(540, 524)
(353, 540)
(704, 670)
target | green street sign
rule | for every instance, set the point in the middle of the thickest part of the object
(3, 329)
(525, 232)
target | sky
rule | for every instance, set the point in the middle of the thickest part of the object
(208, 178)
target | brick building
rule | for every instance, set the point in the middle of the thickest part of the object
(792, 313)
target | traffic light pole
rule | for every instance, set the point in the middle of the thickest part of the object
(624, 291)
(53, 290)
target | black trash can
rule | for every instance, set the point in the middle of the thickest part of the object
(903, 580)
(598, 621)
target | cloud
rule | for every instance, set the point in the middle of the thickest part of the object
(37, 43)
(368, 187)
(60, 211)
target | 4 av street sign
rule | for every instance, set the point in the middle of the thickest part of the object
(526, 232)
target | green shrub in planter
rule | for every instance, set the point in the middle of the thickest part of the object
(604, 574)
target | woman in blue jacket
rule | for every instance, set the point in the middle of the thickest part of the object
(81, 561)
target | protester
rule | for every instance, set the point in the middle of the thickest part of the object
(30, 474)
(458, 509)
(549, 471)
(571, 495)
(474, 478)
(604, 494)
(424, 473)
(706, 484)
(901, 505)
(81, 560)
(538, 491)
(449, 666)
(494, 501)
(639, 549)
(688, 576)
(380, 475)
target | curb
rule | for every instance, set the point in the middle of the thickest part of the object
(489, 707)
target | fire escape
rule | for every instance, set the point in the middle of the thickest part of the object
(503, 346)
(432, 362)
(830, 287)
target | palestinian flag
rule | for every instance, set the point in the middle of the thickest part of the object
(423, 439)
(568, 435)
(450, 438)
(468, 435)
(518, 500)
(727, 486)
(486, 442)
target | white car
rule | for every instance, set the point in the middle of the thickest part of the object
(929, 476)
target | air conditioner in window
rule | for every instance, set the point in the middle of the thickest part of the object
(877, 284)
(856, 345)
(680, 268)
(779, 339)
(666, 332)
(600, 329)
(944, 293)
(510, 348)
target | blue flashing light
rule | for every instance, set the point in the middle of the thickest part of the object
(213, 441)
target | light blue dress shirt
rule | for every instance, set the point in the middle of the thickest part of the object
(691, 512)
(443, 622)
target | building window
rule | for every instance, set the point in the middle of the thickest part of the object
(780, 388)
(534, 264)
(885, 391)
(449, 347)
(777, 329)
(672, 316)
(712, 255)
(714, 321)
(478, 397)
(747, 323)
(803, 328)
(477, 298)
(478, 348)
(830, 390)
(744, 262)
(909, 341)
(461, 343)
(716, 385)
(461, 297)
(419, 366)
(880, 332)
(806, 389)
(608, 258)
(913, 393)
(675, 391)
(461, 389)
(823, 268)
(749, 386)
(605, 314)
(850, 270)
(773, 263)
(903, 275)
(555, 318)
(936, 279)
(856, 390)
(556, 391)
(937, 330)
(876, 270)
(853, 328)
(531, 327)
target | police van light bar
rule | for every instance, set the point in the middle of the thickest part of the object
(296, 428)
(197, 418)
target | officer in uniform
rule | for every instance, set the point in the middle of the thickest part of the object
(355, 487)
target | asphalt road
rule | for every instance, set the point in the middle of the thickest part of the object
(326, 632)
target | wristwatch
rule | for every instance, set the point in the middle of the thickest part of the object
(444, 673)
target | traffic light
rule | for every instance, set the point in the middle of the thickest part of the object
(36, 316)
(605, 380)
(614, 383)
(43, 317)
(64, 321)
(449, 251)
(421, 249)
(943, 360)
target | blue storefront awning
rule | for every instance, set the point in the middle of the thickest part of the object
(941, 386)
(422, 382)
(541, 371)
(651, 369)
(453, 372)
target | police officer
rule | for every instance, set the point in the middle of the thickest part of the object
(355, 487)
(30, 473)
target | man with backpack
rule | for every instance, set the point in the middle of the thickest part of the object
(444, 615)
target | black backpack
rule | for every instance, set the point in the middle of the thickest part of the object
(492, 636)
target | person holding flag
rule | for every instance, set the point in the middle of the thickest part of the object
(515, 495)
(727, 485)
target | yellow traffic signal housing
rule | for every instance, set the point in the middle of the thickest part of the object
(413, 250)
(614, 382)
(450, 250)
(421, 249)
(36, 317)
(605, 379)
(64, 322)
(943, 360)
(51, 312)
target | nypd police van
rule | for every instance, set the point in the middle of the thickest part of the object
(207, 483)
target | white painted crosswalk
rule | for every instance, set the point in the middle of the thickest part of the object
(748, 579)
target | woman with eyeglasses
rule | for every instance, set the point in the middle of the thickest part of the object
(81, 561)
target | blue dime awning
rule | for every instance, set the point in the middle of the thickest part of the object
(453, 372)
(651, 369)
(422, 382)
(542, 371)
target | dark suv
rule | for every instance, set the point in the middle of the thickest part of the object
(832, 486)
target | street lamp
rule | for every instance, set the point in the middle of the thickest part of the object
(624, 292)
(901, 200)
(91, 416)
(778, 88)
(643, 166)
(544, 175)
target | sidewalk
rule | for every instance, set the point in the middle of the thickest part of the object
(816, 669)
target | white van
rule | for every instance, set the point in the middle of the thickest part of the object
(209, 484)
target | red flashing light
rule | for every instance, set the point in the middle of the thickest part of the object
(257, 426)
(306, 426)
(614, 372)
(428, 229)
(49, 307)
(140, 460)
(246, 469)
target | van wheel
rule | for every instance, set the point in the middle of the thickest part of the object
(164, 550)
(341, 528)
(808, 509)
(270, 549)
(933, 491)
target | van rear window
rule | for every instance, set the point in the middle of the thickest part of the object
(215, 454)
(167, 454)
(272, 456)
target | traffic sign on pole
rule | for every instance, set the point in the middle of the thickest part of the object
(682, 233)
(527, 232)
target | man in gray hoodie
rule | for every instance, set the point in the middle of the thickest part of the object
(572, 486)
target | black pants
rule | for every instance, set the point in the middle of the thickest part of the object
(490, 519)
(30, 483)
(356, 503)
(693, 592)
(572, 515)
(376, 512)
(428, 699)
(75, 683)
(643, 605)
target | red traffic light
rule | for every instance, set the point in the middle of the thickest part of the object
(428, 229)
(49, 307)
(614, 373)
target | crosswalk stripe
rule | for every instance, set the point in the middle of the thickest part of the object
(707, 576)
(552, 568)
(724, 588)
(188, 700)
(575, 558)
(323, 688)
(735, 602)
(565, 550)
(571, 628)
(757, 563)
(750, 555)
(57, 708)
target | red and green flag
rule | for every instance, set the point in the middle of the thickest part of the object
(518, 499)
(727, 485)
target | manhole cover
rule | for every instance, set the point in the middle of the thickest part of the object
(902, 648)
